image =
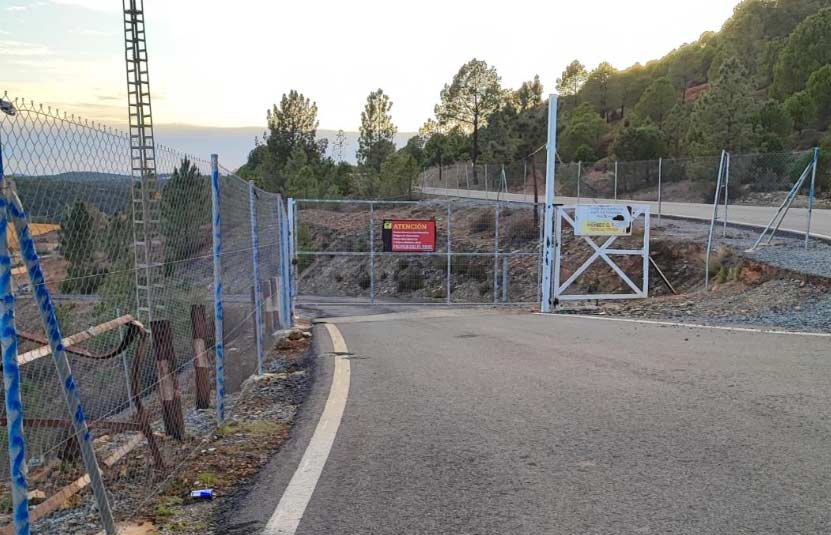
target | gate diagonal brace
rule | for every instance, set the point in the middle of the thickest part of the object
(603, 252)
(600, 251)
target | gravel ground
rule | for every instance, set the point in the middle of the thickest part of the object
(784, 252)
(777, 300)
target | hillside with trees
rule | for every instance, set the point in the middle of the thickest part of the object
(760, 84)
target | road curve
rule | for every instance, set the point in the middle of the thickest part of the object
(471, 422)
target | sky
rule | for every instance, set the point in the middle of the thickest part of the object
(223, 64)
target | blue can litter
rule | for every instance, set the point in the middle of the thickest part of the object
(202, 494)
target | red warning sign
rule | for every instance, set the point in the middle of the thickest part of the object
(409, 236)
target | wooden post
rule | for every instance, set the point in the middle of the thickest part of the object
(201, 363)
(268, 316)
(174, 423)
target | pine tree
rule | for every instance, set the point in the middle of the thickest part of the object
(376, 141)
(722, 118)
(468, 100)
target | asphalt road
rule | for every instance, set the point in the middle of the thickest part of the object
(475, 422)
(795, 221)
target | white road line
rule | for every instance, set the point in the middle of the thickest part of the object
(690, 325)
(296, 497)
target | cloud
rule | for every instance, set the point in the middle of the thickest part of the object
(24, 7)
(90, 32)
(22, 49)
(95, 5)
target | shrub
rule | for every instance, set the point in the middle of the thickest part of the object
(471, 267)
(410, 281)
(364, 280)
(483, 222)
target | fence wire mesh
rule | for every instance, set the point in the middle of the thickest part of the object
(147, 390)
(485, 252)
(755, 179)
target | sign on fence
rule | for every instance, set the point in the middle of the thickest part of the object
(603, 220)
(409, 236)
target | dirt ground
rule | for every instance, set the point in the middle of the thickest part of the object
(259, 417)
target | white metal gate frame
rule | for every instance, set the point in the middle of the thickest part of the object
(564, 213)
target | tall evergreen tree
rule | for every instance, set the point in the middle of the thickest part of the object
(657, 101)
(376, 141)
(572, 79)
(808, 49)
(722, 118)
(468, 100)
(603, 90)
(186, 214)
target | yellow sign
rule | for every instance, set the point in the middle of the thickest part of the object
(603, 220)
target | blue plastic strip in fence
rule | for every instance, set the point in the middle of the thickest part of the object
(218, 310)
(11, 376)
(258, 290)
(53, 334)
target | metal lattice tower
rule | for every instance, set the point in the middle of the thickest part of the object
(146, 194)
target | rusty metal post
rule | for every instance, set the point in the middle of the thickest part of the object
(201, 362)
(174, 423)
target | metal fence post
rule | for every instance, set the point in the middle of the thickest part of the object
(64, 371)
(126, 365)
(372, 253)
(11, 376)
(496, 258)
(505, 279)
(713, 222)
(660, 173)
(286, 318)
(726, 193)
(615, 179)
(292, 248)
(579, 174)
(449, 256)
(487, 192)
(811, 191)
(258, 291)
(548, 239)
(218, 308)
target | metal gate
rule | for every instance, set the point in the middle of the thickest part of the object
(485, 252)
(634, 245)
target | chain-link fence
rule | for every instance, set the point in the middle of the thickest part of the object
(149, 393)
(481, 252)
(755, 179)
